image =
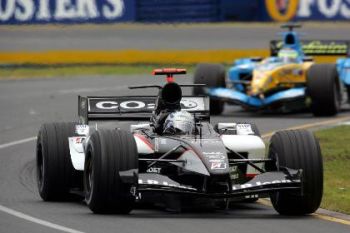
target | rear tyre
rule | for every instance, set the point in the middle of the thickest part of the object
(323, 86)
(213, 75)
(348, 93)
(110, 152)
(55, 172)
(297, 149)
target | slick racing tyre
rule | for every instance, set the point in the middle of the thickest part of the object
(108, 153)
(297, 149)
(55, 172)
(348, 93)
(323, 86)
(213, 75)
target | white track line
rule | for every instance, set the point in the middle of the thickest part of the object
(25, 216)
(2, 146)
(37, 221)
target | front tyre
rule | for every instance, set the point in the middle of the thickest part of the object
(55, 172)
(323, 86)
(297, 149)
(110, 152)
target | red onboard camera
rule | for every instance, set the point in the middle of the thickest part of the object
(169, 72)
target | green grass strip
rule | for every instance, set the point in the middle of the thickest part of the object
(336, 154)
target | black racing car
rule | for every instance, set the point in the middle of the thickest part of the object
(173, 156)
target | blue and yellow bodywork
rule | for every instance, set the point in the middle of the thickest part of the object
(272, 83)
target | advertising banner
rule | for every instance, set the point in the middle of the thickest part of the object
(303, 10)
(66, 11)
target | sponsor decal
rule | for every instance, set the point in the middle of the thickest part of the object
(244, 129)
(297, 72)
(79, 140)
(164, 183)
(234, 172)
(216, 161)
(44, 11)
(318, 47)
(282, 10)
(82, 130)
(325, 47)
(286, 10)
(218, 166)
(144, 103)
(207, 141)
(127, 105)
(251, 196)
(214, 155)
(188, 104)
(154, 170)
(258, 183)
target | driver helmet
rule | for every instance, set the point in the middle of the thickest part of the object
(179, 122)
(288, 55)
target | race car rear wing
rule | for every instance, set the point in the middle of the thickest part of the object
(317, 47)
(133, 108)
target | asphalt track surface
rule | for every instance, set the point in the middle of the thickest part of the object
(154, 37)
(26, 104)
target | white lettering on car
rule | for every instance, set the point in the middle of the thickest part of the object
(107, 105)
(218, 166)
(132, 104)
(258, 183)
(153, 170)
(164, 183)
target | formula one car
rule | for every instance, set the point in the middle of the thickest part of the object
(288, 80)
(174, 156)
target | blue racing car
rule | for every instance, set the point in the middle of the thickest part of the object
(287, 80)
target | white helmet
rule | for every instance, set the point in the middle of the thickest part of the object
(180, 122)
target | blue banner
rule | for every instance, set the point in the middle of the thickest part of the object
(303, 10)
(66, 11)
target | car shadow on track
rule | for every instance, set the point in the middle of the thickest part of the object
(236, 211)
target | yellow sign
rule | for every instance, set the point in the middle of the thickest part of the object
(282, 10)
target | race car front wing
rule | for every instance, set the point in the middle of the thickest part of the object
(267, 182)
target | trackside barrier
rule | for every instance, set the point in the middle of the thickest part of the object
(66, 11)
(304, 10)
(178, 10)
(112, 11)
